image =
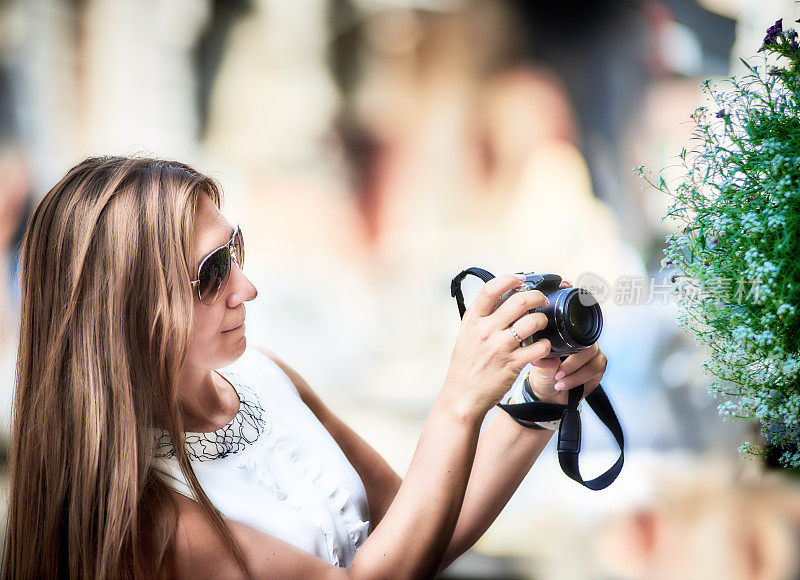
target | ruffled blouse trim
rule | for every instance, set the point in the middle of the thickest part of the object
(241, 432)
(282, 446)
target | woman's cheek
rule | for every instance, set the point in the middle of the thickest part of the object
(202, 338)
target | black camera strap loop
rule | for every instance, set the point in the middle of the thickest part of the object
(569, 431)
(455, 285)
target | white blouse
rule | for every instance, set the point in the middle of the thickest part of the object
(274, 467)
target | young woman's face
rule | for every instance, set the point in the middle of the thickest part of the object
(218, 337)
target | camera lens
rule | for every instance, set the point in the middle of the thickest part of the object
(578, 318)
(583, 317)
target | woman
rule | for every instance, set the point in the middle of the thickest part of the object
(132, 337)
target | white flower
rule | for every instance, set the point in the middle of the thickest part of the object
(722, 223)
(751, 256)
(728, 408)
(746, 447)
(742, 334)
(751, 222)
(775, 221)
(790, 366)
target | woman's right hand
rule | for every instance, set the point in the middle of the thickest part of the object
(487, 358)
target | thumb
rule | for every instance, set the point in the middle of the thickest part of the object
(545, 369)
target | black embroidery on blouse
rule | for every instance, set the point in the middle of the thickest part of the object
(243, 430)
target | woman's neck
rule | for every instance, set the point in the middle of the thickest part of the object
(208, 401)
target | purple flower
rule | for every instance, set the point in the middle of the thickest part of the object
(773, 32)
(715, 241)
(669, 263)
(721, 114)
(707, 264)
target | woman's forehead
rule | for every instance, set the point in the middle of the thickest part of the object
(211, 228)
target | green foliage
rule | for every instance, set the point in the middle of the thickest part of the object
(737, 252)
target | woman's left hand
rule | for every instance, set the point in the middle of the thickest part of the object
(551, 379)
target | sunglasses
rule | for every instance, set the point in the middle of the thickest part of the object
(215, 269)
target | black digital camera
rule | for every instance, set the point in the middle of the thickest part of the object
(574, 318)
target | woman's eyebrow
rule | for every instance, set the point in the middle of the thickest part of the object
(204, 255)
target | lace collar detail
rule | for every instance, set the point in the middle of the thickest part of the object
(244, 429)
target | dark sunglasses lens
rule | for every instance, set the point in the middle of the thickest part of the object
(214, 275)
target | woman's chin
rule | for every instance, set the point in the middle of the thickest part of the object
(242, 343)
(233, 348)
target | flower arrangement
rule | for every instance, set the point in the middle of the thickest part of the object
(737, 251)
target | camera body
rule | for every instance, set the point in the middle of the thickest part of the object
(574, 318)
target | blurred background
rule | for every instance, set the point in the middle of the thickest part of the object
(371, 150)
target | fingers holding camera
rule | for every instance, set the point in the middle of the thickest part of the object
(533, 352)
(489, 295)
(575, 361)
(517, 305)
(483, 366)
(525, 326)
(582, 368)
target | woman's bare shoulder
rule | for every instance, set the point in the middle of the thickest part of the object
(270, 354)
(303, 388)
(198, 551)
(264, 350)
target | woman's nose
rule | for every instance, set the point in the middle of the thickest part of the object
(242, 289)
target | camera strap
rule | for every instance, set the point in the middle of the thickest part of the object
(455, 285)
(569, 431)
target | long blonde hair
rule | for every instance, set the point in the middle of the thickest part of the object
(106, 317)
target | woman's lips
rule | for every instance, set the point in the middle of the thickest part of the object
(236, 328)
